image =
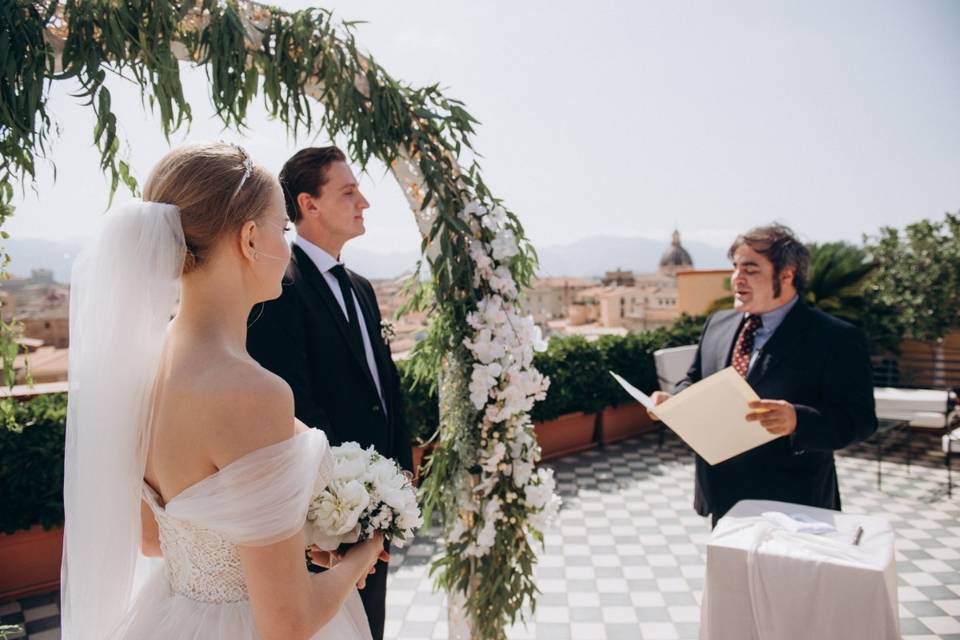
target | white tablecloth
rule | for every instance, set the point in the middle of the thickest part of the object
(764, 582)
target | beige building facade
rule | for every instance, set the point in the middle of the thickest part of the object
(698, 290)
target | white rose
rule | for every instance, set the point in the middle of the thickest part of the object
(350, 468)
(349, 450)
(340, 513)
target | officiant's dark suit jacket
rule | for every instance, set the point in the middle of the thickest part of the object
(820, 365)
(302, 336)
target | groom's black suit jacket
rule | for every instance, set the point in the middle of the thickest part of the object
(820, 365)
(302, 337)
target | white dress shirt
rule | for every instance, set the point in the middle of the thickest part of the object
(324, 262)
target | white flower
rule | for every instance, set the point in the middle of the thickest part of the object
(482, 379)
(495, 219)
(495, 457)
(542, 498)
(487, 535)
(350, 468)
(504, 246)
(502, 282)
(473, 209)
(522, 470)
(349, 450)
(485, 348)
(456, 530)
(369, 493)
(334, 515)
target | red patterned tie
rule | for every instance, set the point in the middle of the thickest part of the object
(744, 347)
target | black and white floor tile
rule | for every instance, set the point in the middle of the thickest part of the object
(626, 559)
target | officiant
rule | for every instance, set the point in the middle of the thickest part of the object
(811, 370)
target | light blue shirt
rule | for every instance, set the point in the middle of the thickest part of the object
(771, 321)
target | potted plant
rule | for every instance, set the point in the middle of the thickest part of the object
(565, 422)
(31, 492)
(421, 408)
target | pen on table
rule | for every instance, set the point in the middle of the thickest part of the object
(857, 536)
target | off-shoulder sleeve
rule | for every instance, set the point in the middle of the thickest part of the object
(262, 497)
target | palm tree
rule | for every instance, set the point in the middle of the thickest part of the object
(835, 284)
(838, 275)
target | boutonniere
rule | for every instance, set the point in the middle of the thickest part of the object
(386, 331)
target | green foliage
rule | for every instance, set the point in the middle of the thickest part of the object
(574, 367)
(25, 64)
(630, 356)
(838, 277)
(916, 284)
(421, 404)
(579, 370)
(31, 464)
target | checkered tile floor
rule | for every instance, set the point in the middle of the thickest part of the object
(626, 559)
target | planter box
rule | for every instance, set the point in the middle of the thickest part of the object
(420, 452)
(567, 434)
(624, 421)
(30, 561)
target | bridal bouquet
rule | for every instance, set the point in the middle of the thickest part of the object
(368, 493)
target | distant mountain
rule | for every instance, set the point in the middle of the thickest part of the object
(585, 258)
(27, 254)
(380, 265)
(594, 255)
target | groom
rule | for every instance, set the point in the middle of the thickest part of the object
(323, 334)
(812, 369)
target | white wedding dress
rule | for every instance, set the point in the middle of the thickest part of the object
(261, 498)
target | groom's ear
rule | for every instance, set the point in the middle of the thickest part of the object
(306, 204)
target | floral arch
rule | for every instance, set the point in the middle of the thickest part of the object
(482, 483)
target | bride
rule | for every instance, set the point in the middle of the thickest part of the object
(179, 444)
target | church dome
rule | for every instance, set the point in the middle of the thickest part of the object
(676, 257)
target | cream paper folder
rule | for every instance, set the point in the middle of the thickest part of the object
(710, 415)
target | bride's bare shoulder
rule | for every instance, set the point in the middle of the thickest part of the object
(244, 408)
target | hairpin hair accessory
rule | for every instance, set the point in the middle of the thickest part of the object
(247, 167)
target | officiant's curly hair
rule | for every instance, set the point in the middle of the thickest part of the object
(781, 247)
(216, 188)
(306, 172)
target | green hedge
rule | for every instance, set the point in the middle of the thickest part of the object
(31, 464)
(578, 370)
(31, 453)
(421, 405)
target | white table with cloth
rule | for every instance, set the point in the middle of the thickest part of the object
(780, 571)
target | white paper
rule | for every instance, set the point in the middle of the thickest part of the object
(710, 415)
(638, 395)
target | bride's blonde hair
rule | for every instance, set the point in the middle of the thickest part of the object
(216, 188)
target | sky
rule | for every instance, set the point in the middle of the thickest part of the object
(621, 118)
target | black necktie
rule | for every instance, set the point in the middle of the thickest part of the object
(346, 288)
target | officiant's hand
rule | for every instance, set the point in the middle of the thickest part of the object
(658, 397)
(778, 417)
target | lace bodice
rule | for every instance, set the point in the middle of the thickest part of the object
(256, 500)
(201, 564)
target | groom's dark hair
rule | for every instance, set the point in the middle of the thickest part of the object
(306, 172)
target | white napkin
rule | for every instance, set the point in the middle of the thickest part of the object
(803, 523)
